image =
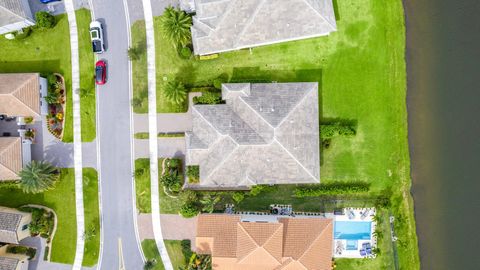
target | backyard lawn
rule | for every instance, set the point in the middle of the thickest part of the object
(174, 250)
(62, 201)
(142, 188)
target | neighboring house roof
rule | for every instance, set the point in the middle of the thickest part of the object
(13, 11)
(9, 223)
(11, 161)
(290, 243)
(264, 134)
(20, 94)
(225, 25)
(7, 263)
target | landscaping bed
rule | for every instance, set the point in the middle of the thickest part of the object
(56, 99)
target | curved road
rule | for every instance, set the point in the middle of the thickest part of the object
(120, 248)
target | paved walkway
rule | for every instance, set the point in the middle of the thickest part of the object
(152, 121)
(77, 137)
(174, 227)
(166, 148)
(166, 122)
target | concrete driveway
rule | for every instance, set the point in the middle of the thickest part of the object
(174, 227)
(167, 148)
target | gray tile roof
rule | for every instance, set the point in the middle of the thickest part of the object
(8, 263)
(9, 223)
(264, 134)
(225, 25)
(13, 11)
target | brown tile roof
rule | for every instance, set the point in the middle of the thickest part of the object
(20, 94)
(10, 157)
(309, 241)
(290, 244)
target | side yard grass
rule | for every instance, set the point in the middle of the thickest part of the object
(87, 84)
(174, 249)
(168, 205)
(92, 217)
(139, 68)
(62, 201)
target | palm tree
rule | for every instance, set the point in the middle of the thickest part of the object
(37, 177)
(149, 264)
(176, 25)
(209, 203)
(175, 92)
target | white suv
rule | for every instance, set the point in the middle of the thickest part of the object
(96, 34)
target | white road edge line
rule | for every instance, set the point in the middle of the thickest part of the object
(77, 135)
(152, 128)
(132, 145)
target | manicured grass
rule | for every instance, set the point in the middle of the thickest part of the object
(87, 65)
(142, 188)
(174, 250)
(62, 201)
(362, 78)
(44, 51)
(139, 67)
(92, 217)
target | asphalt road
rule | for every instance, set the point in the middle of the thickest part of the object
(115, 143)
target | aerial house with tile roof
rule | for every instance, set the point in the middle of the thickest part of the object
(280, 244)
(15, 15)
(227, 25)
(265, 133)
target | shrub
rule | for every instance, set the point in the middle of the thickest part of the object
(173, 163)
(23, 34)
(208, 98)
(175, 92)
(137, 102)
(185, 53)
(51, 79)
(45, 19)
(188, 196)
(10, 184)
(193, 173)
(217, 83)
(30, 252)
(328, 131)
(188, 210)
(186, 250)
(255, 190)
(331, 189)
(238, 196)
(326, 143)
(134, 53)
(42, 221)
(170, 180)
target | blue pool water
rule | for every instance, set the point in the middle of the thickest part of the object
(352, 230)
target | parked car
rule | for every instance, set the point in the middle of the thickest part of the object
(49, 1)
(100, 72)
(96, 35)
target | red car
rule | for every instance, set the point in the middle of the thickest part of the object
(100, 72)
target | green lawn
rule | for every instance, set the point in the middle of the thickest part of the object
(62, 201)
(87, 64)
(362, 78)
(142, 188)
(92, 219)
(47, 51)
(44, 51)
(174, 250)
(139, 67)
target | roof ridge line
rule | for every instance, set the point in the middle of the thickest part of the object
(316, 11)
(301, 165)
(259, 115)
(294, 108)
(13, 94)
(251, 239)
(227, 157)
(227, 11)
(249, 22)
(311, 244)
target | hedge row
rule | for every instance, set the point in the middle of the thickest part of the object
(328, 131)
(332, 189)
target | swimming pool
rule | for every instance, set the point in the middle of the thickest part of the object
(352, 230)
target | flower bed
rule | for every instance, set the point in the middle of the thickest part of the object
(56, 105)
